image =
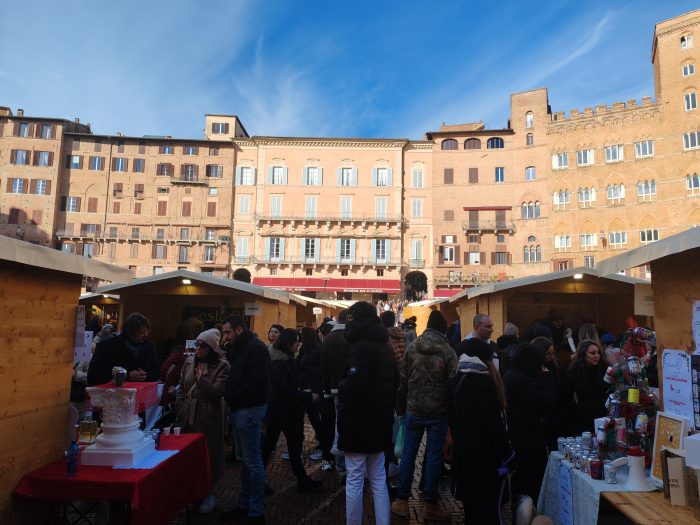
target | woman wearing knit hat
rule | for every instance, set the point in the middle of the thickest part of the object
(477, 421)
(200, 402)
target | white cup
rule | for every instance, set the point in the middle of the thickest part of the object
(176, 431)
(166, 431)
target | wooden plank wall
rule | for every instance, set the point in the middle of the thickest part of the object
(38, 308)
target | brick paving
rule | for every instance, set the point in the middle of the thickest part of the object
(287, 507)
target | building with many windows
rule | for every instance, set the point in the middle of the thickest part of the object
(371, 218)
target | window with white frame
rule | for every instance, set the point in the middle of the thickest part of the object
(209, 234)
(646, 189)
(380, 250)
(277, 175)
(686, 41)
(74, 162)
(213, 191)
(310, 208)
(532, 253)
(560, 161)
(244, 204)
(242, 248)
(189, 150)
(615, 193)
(692, 183)
(617, 238)
(416, 208)
(530, 173)
(218, 128)
(500, 174)
(183, 254)
(585, 157)
(276, 248)
(209, 253)
(72, 204)
(276, 206)
(589, 261)
(588, 240)
(17, 185)
(380, 205)
(690, 101)
(562, 242)
(247, 176)
(40, 187)
(98, 163)
(43, 158)
(644, 148)
(46, 131)
(416, 250)
(22, 157)
(310, 249)
(586, 197)
(215, 170)
(529, 139)
(346, 176)
(529, 119)
(120, 164)
(614, 153)
(474, 258)
(312, 176)
(688, 69)
(648, 235)
(448, 254)
(382, 177)
(23, 129)
(691, 140)
(345, 250)
(561, 199)
(530, 210)
(345, 207)
(417, 177)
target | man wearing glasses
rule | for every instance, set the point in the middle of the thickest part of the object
(130, 349)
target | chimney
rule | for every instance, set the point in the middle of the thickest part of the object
(77, 120)
(20, 112)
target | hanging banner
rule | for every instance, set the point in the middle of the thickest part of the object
(678, 384)
(566, 495)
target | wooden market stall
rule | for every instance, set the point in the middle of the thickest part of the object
(421, 311)
(577, 294)
(311, 312)
(169, 298)
(39, 291)
(104, 306)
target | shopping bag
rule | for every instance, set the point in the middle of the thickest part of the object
(398, 446)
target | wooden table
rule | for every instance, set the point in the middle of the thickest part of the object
(650, 508)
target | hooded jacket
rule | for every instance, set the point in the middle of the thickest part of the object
(334, 354)
(397, 340)
(366, 390)
(285, 397)
(426, 367)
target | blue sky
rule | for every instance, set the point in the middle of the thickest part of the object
(319, 68)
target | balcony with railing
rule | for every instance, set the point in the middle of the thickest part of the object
(339, 219)
(488, 226)
(416, 263)
(326, 261)
(469, 279)
(192, 238)
(78, 234)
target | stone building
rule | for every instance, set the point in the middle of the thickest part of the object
(371, 218)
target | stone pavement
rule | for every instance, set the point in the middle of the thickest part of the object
(288, 507)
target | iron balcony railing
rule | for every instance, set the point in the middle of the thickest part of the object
(303, 217)
(357, 261)
(472, 226)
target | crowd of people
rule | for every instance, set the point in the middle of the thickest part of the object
(498, 407)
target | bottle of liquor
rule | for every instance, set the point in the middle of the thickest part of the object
(72, 455)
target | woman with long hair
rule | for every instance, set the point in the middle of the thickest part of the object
(273, 333)
(587, 388)
(285, 411)
(477, 403)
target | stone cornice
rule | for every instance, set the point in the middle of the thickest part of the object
(321, 142)
(624, 116)
(677, 28)
(423, 145)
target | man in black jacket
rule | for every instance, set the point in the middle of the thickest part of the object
(247, 393)
(131, 350)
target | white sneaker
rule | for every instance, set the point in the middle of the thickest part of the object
(208, 504)
(326, 465)
(316, 454)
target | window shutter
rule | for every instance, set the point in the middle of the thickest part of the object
(211, 209)
(317, 249)
(482, 257)
(282, 248)
(305, 176)
(161, 149)
(238, 176)
(372, 251)
(13, 156)
(15, 131)
(186, 208)
(465, 257)
(92, 205)
(509, 258)
(389, 176)
(337, 250)
(35, 130)
(269, 174)
(162, 208)
(457, 255)
(374, 176)
(267, 249)
(138, 188)
(213, 127)
(8, 188)
(64, 200)
(354, 177)
(226, 128)
(25, 185)
(473, 175)
(154, 251)
(53, 131)
(116, 207)
(35, 159)
(114, 164)
(441, 256)
(80, 162)
(448, 176)
(68, 161)
(50, 158)
(320, 176)
(493, 257)
(338, 176)
(137, 208)
(284, 176)
(77, 204)
(352, 250)
(32, 186)
(387, 244)
(48, 187)
(302, 252)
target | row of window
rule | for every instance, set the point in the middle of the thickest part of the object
(313, 176)
(310, 250)
(158, 251)
(614, 239)
(34, 130)
(615, 193)
(72, 204)
(499, 175)
(613, 153)
(381, 207)
(472, 143)
(23, 157)
(450, 255)
(29, 186)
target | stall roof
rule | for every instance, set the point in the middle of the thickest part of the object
(536, 279)
(267, 293)
(88, 296)
(429, 302)
(678, 243)
(42, 257)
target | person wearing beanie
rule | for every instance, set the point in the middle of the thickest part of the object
(366, 411)
(508, 344)
(200, 403)
(427, 366)
(479, 435)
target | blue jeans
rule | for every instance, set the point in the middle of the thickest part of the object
(247, 424)
(414, 426)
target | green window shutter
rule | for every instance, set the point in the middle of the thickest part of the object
(389, 176)
(317, 249)
(354, 177)
(238, 175)
(372, 251)
(284, 176)
(374, 176)
(269, 175)
(282, 239)
(305, 176)
(339, 177)
(352, 250)
(267, 249)
(338, 243)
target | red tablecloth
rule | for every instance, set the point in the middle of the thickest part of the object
(146, 394)
(157, 495)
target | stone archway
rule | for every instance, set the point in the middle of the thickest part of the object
(242, 275)
(415, 285)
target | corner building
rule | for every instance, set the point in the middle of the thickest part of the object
(366, 218)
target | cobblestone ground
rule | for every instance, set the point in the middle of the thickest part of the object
(287, 507)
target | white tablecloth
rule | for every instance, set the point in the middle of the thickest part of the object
(586, 492)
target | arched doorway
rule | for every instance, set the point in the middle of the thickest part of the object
(242, 275)
(415, 285)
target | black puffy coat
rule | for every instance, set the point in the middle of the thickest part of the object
(286, 399)
(366, 390)
(309, 362)
(588, 394)
(248, 382)
(115, 352)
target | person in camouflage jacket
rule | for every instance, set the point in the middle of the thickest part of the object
(427, 366)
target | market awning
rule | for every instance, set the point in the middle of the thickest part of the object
(315, 284)
(446, 292)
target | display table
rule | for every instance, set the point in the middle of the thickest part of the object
(156, 495)
(146, 394)
(649, 508)
(585, 492)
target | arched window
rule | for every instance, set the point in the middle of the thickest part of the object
(523, 210)
(531, 238)
(688, 69)
(529, 140)
(532, 253)
(529, 119)
(538, 254)
(692, 181)
(537, 209)
(530, 173)
(646, 189)
(448, 144)
(472, 144)
(494, 143)
(686, 41)
(526, 254)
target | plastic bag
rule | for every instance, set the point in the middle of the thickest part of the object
(398, 446)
